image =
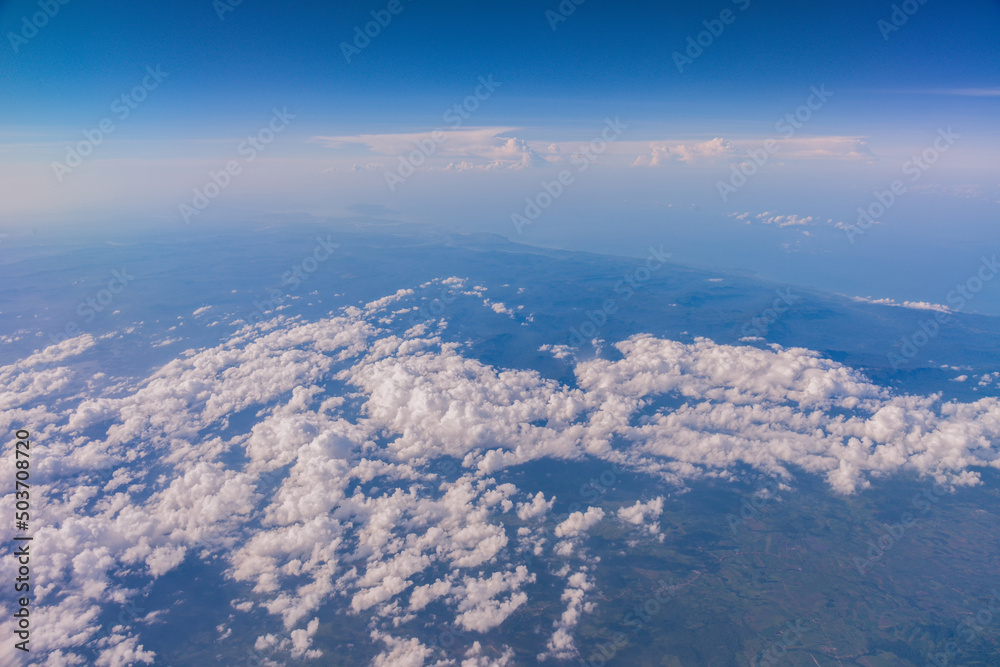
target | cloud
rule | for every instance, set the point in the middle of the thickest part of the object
(478, 606)
(450, 149)
(663, 152)
(561, 645)
(579, 522)
(499, 308)
(393, 449)
(641, 513)
(914, 305)
(400, 652)
(476, 657)
(770, 218)
(536, 508)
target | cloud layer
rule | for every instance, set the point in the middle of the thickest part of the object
(392, 447)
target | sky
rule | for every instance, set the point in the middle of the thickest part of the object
(849, 146)
(692, 91)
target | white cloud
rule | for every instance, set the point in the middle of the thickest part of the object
(644, 513)
(561, 645)
(478, 606)
(915, 305)
(579, 522)
(477, 657)
(536, 508)
(663, 152)
(660, 153)
(769, 218)
(400, 652)
(473, 148)
(498, 307)
(358, 420)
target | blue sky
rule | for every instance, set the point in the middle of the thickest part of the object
(615, 56)
(605, 56)
(684, 131)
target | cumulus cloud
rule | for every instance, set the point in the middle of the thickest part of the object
(400, 652)
(579, 522)
(644, 514)
(664, 152)
(498, 307)
(480, 610)
(358, 420)
(476, 656)
(536, 508)
(561, 645)
(770, 218)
